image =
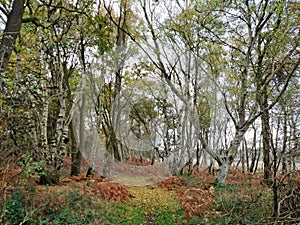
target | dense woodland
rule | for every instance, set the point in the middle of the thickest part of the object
(191, 84)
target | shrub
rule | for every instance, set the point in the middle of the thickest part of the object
(235, 209)
(288, 198)
(27, 206)
(15, 208)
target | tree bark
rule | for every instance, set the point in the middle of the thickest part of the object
(253, 152)
(11, 32)
(54, 150)
(114, 88)
(223, 171)
(266, 136)
(226, 160)
(284, 146)
(76, 155)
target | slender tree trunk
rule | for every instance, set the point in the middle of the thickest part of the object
(275, 169)
(247, 156)
(296, 146)
(274, 184)
(198, 155)
(258, 158)
(243, 152)
(253, 153)
(11, 32)
(76, 156)
(112, 143)
(284, 146)
(266, 136)
(44, 118)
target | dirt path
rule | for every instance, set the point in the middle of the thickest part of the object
(151, 200)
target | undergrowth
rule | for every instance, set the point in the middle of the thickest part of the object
(27, 206)
(190, 200)
(235, 208)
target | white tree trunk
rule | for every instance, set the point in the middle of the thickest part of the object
(223, 171)
(44, 119)
(226, 160)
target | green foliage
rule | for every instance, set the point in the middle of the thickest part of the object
(73, 210)
(64, 207)
(121, 214)
(55, 209)
(191, 181)
(170, 218)
(14, 114)
(236, 209)
(224, 187)
(204, 111)
(33, 169)
(142, 115)
(15, 207)
(126, 215)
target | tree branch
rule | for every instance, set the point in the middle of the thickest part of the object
(3, 11)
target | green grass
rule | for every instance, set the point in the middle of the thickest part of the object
(124, 214)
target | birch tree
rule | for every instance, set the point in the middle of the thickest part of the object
(254, 51)
(58, 68)
(247, 37)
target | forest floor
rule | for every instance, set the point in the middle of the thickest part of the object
(194, 199)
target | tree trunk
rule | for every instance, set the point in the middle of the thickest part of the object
(253, 152)
(223, 171)
(296, 147)
(226, 160)
(54, 151)
(111, 140)
(275, 168)
(44, 117)
(243, 152)
(11, 33)
(50, 176)
(266, 136)
(284, 146)
(76, 156)
(76, 163)
(257, 158)
(247, 156)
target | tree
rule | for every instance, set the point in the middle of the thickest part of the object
(94, 32)
(15, 125)
(252, 50)
(222, 67)
(245, 41)
(115, 85)
(11, 32)
(56, 70)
